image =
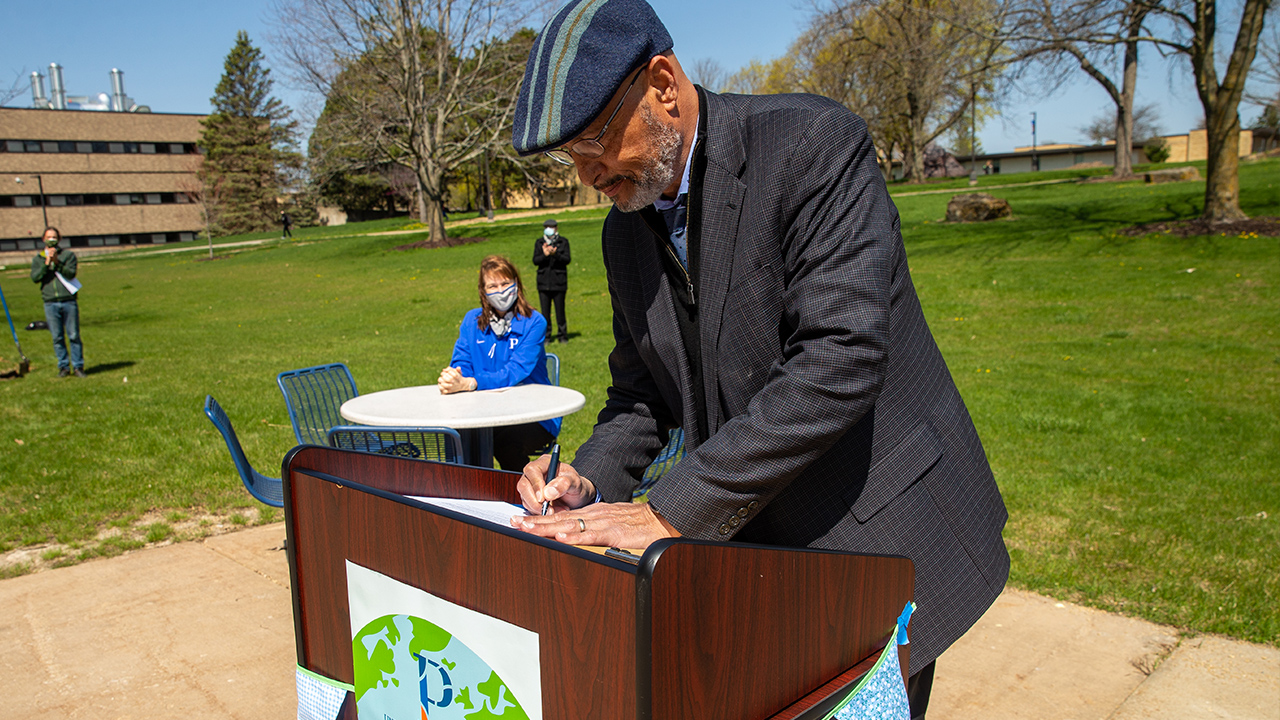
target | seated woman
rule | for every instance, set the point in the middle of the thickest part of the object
(500, 344)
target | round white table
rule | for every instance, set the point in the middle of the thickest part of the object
(481, 411)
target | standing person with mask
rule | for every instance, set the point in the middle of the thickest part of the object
(60, 307)
(551, 255)
(500, 344)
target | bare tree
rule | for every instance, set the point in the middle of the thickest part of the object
(427, 84)
(1087, 34)
(930, 60)
(1145, 126)
(17, 88)
(208, 196)
(709, 73)
(1195, 35)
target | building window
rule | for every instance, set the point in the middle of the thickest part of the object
(73, 146)
(162, 198)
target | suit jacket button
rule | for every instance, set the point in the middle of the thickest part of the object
(734, 521)
(752, 505)
(742, 512)
(724, 529)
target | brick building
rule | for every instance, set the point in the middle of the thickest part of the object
(107, 178)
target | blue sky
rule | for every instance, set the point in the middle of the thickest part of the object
(172, 53)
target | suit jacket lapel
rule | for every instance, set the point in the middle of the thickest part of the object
(722, 192)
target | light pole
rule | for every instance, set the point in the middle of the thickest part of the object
(43, 211)
(1035, 160)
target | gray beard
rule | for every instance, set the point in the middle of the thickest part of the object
(658, 170)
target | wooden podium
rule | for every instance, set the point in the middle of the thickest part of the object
(693, 630)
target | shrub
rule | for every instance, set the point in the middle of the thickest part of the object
(1157, 150)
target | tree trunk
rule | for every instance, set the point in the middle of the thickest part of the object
(431, 207)
(912, 158)
(488, 188)
(1221, 103)
(1124, 108)
(1124, 139)
(1222, 184)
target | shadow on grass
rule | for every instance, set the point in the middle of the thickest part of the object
(108, 367)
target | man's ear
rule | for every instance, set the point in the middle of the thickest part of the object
(663, 81)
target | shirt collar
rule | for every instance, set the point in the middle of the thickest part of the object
(664, 204)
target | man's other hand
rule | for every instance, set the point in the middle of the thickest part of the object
(621, 525)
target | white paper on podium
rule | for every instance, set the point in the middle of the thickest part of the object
(494, 511)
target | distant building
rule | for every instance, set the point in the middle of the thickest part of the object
(105, 178)
(1061, 156)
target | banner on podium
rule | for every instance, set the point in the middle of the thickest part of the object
(417, 656)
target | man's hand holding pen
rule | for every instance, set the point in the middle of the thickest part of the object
(576, 519)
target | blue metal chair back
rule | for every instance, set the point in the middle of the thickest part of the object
(421, 443)
(313, 396)
(553, 368)
(662, 464)
(267, 490)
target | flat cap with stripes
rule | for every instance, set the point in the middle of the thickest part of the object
(582, 55)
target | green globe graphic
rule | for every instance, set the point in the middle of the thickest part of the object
(407, 668)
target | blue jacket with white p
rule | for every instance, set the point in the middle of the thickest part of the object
(517, 358)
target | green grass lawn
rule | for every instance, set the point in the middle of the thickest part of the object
(1125, 388)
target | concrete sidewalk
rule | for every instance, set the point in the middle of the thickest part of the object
(205, 629)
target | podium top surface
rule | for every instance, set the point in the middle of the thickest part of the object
(423, 405)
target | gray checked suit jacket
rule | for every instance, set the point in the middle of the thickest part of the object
(833, 421)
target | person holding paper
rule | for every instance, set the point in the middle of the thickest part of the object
(55, 270)
(501, 344)
(762, 302)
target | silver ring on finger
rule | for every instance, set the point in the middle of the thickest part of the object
(582, 525)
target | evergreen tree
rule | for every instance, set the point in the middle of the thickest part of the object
(249, 145)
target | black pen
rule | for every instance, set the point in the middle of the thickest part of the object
(553, 467)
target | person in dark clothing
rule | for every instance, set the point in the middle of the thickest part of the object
(60, 307)
(762, 303)
(551, 255)
(287, 222)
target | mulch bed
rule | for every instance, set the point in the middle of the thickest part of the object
(447, 242)
(1262, 226)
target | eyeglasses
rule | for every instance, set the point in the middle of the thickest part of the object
(591, 148)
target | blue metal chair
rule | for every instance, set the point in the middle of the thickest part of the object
(313, 396)
(662, 464)
(553, 368)
(267, 490)
(421, 443)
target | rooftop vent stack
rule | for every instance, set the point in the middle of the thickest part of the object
(119, 102)
(38, 98)
(55, 84)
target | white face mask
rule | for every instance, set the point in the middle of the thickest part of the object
(502, 300)
(549, 232)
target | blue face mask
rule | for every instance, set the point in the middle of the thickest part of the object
(549, 232)
(502, 300)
